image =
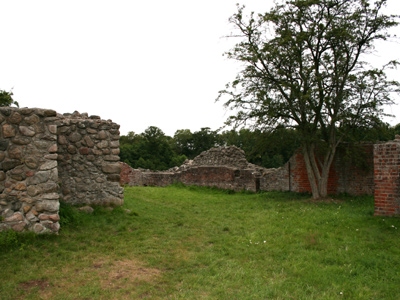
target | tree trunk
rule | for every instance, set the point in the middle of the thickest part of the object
(317, 170)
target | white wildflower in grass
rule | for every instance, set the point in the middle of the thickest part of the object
(357, 229)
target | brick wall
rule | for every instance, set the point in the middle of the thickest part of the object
(387, 178)
(352, 174)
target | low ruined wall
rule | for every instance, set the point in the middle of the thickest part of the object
(222, 167)
(45, 156)
(387, 178)
(218, 176)
(275, 179)
(227, 168)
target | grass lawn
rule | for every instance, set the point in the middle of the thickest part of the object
(198, 243)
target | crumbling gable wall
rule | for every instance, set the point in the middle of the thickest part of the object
(41, 151)
(222, 167)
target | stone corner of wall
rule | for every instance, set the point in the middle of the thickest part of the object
(45, 156)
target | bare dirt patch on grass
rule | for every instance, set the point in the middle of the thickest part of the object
(123, 273)
(42, 285)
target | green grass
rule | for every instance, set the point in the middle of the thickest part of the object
(198, 243)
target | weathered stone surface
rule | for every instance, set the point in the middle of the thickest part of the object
(114, 144)
(51, 156)
(84, 150)
(30, 216)
(2, 176)
(15, 218)
(102, 144)
(114, 177)
(31, 162)
(53, 148)
(19, 227)
(26, 111)
(39, 177)
(15, 152)
(54, 227)
(62, 140)
(111, 158)
(74, 137)
(9, 164)
(42, 144)
(27, 130)
(111, 168)
(52, 128)
(48, 205)
(3, 144)
(27, 208)
(15, 118)
(102, 135)
(71, 149)
(48, 165)
(50, 196)
(21, 140)
(49, 113)
(20, 187)
(8, 131)
(53, 217)
(39, 228)
(33, 119)
(86, 209)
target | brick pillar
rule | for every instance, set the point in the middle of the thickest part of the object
(387, 178)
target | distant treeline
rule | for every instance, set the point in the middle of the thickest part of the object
(154, 150)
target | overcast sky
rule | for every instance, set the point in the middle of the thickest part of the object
(139, 63)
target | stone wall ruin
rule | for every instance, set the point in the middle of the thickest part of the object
(227, 168)
(46, 157)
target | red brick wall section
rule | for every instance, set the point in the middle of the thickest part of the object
(344, 176)
(387, 177)
(130, 176)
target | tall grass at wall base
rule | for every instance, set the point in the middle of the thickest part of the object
(201, 243)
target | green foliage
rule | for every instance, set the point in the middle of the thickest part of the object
(11, 240)
(6, 99)
(150, 150)
(269, 149)
(264, 148)
(69, 215)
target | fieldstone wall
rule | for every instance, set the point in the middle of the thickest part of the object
(41, 151)
(88, 158)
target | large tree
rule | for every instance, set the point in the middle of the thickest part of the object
(303, 68)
